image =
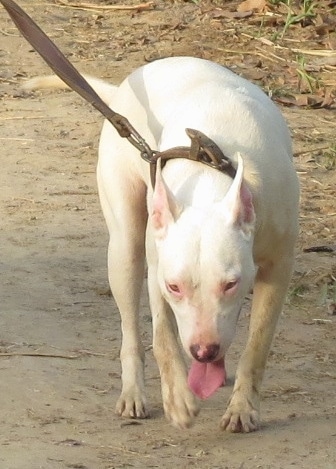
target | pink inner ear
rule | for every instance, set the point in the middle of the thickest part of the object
(156, 220)
(161, 214)
(159, 199)
(247, 204)
(165, 208)
(238, 200)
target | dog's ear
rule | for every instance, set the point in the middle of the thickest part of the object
(239, 202)
(165, 208)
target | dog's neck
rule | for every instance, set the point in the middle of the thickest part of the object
(193, 184)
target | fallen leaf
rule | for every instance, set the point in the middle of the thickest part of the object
(313, 101)
(252, 5)
(325, 24)
(320, 249)
(285, 100)
(301, 100)
(70, 442)
(220, 13)
(332, 309)
(328, 100)
(265, 41)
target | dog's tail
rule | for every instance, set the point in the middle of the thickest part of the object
(52, 82)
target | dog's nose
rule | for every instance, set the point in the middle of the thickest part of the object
(204, 353)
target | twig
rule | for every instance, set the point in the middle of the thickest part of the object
(322, 321)
(310, 150)
(245, 52)
(90, 6)
(37, 354)
(18, 139)
(7, 80)
(94, 354)
(5, 33)
(123, 450)
(322, 53)
(268, 54)
(20, 117)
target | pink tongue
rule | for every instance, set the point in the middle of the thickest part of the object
(205, 378)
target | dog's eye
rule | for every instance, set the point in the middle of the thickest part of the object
(229, 287)
(173, 288)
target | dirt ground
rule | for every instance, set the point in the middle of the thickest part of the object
(59, 327)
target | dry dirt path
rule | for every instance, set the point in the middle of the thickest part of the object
(59, 328)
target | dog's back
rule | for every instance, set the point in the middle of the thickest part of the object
(186, 89)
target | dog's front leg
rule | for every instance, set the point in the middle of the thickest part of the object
(123, 203)
(179, 403)
(269, 292)
(126, 287)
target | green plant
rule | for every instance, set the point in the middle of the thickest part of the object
(306, 12)
(277, 2)
(329, 158)
(297, 291)
(306, 80)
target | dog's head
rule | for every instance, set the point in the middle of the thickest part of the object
(205, 264)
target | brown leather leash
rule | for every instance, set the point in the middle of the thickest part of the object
(202, 148)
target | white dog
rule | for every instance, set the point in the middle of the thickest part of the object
(207, 239)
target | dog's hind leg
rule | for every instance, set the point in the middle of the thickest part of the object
(269, 292)
(123, 199)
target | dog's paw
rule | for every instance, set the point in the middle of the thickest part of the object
(180, 405)
(241, 416)
(132, 405)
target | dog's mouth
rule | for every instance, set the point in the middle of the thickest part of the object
(205, 378)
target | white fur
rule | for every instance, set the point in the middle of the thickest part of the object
(50, 82)
(207, 236)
